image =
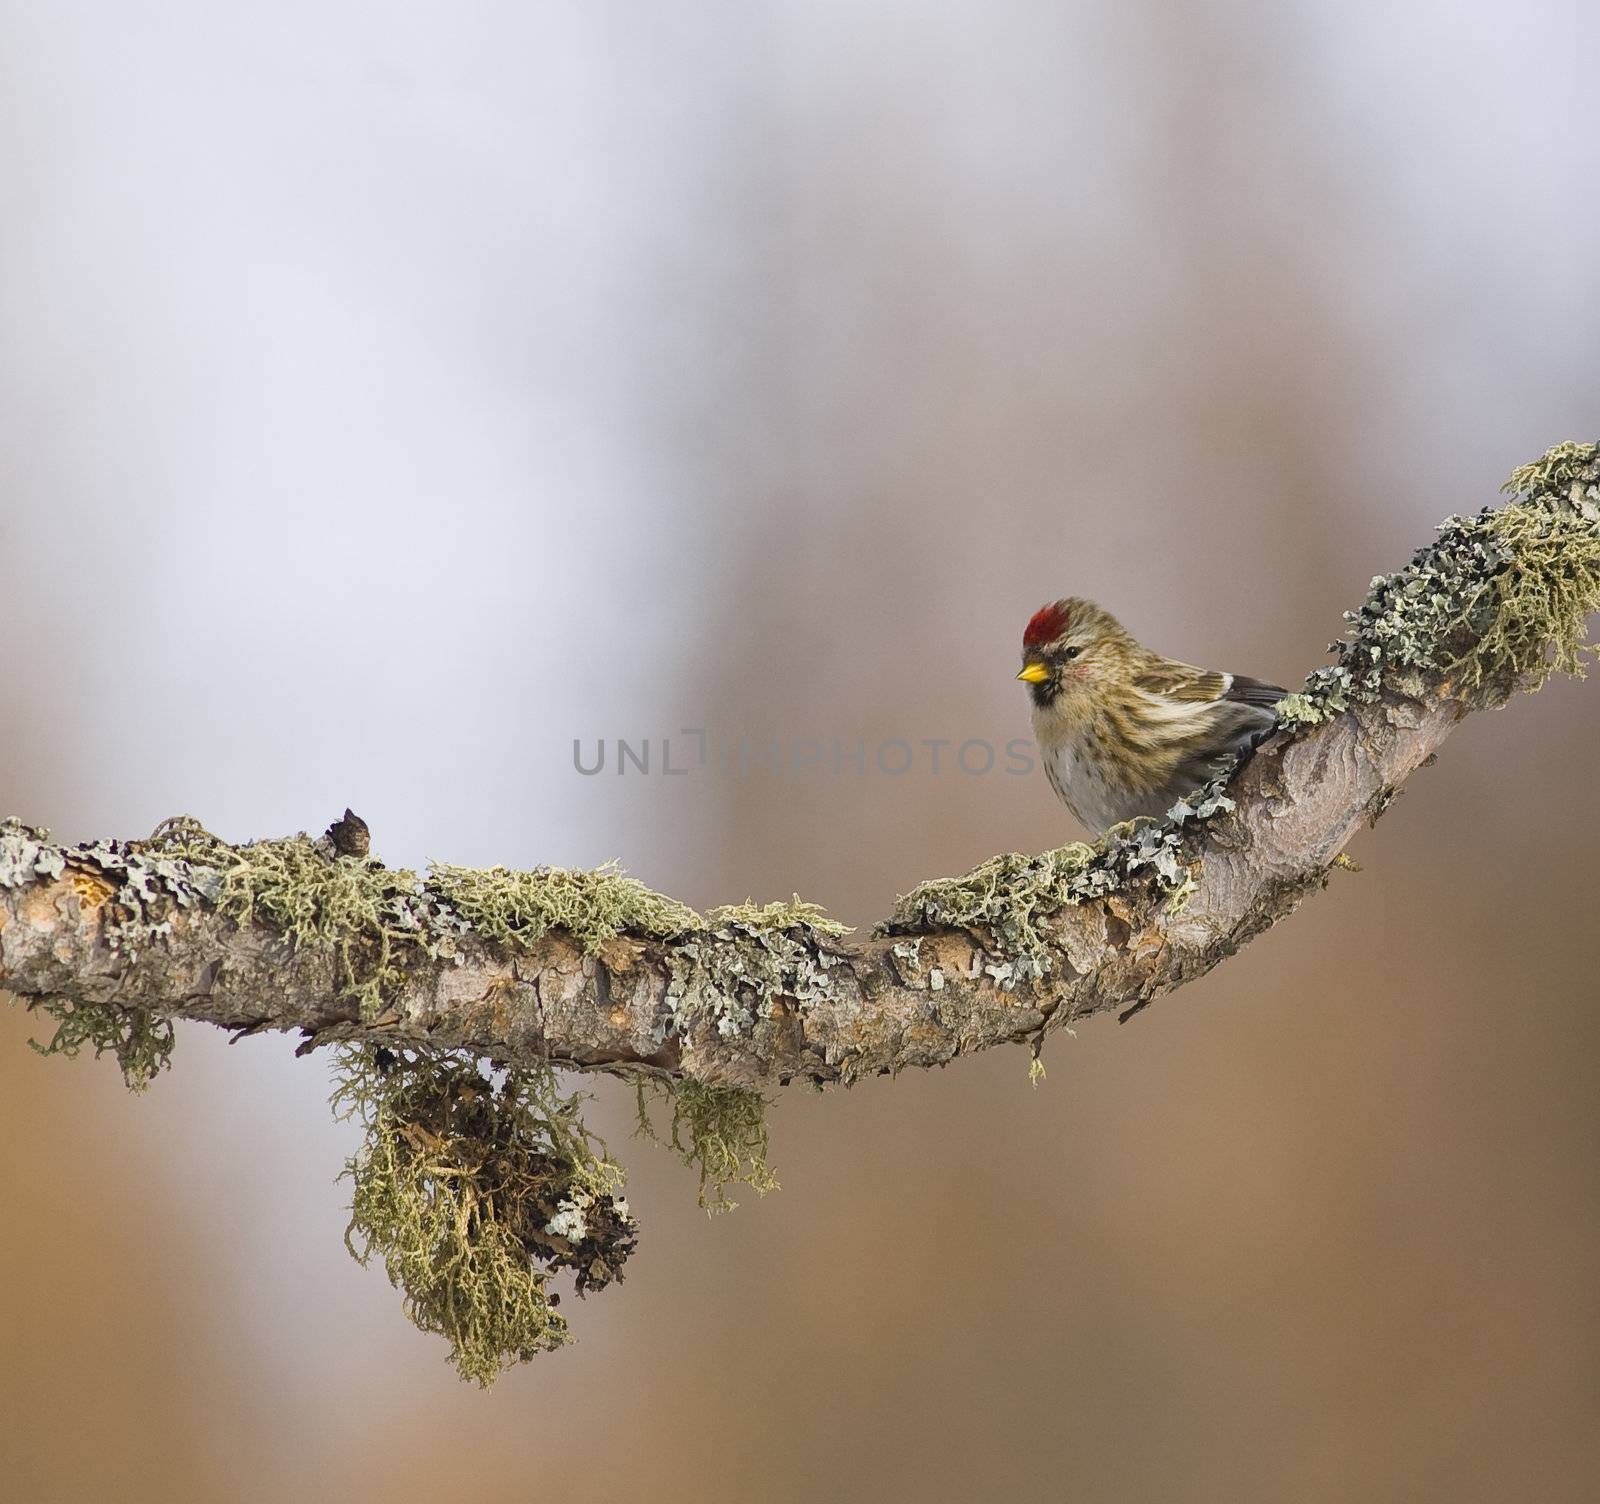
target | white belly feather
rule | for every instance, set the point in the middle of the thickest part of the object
(1095, 801)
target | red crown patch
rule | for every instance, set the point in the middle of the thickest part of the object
(1047, 624)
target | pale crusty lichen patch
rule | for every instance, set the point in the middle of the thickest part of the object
(141, 1041)
(26, 854)
(747, 961)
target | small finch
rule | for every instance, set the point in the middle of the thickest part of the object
(1123, 731)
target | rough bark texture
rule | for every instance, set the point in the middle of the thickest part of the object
(664, 1005)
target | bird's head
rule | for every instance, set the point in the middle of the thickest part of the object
(1072, 649)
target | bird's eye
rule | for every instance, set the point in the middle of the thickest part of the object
(1071, 652)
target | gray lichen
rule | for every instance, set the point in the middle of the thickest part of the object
(141, 1040)
(734, 969)
(1009, 897)
(1498, 600)
(26, 854)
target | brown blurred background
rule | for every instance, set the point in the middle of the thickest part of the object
(389, 395)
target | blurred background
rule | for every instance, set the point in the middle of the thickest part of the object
(390, 395)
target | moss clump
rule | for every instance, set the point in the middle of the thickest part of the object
(1496, 601)
(520, 908)
(363, 912)
(720, 1131)
(1568, 475)
(778, 916)
(141, 1040)
(1009, 898)
(473, 1193)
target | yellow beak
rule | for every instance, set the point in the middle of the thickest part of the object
(1034, 672)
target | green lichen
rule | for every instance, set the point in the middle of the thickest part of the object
(370, 915)
(520, 908)
(1568, 474)
(473, 1193)
(1308, 709)
(141, 1040)
(1010, 897)
(1535, 611)
(719, 1131)
(365, 914)
(778, 916)
(1497, 601)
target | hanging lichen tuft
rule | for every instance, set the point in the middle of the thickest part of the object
(719, 1131)
(140, 1040)
(474, 1191)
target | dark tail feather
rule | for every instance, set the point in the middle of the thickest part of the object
(1254, 692)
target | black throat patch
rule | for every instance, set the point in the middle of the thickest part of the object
(1045, 692)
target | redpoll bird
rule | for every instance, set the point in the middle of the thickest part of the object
(1123, 731)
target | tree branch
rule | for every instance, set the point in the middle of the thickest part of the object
(592, 972)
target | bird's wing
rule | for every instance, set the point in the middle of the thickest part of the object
(1183, 681)
(1186, 683)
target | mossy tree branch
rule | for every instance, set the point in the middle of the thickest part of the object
(590, 971)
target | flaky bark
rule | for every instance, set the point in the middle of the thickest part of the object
(887, 1003)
